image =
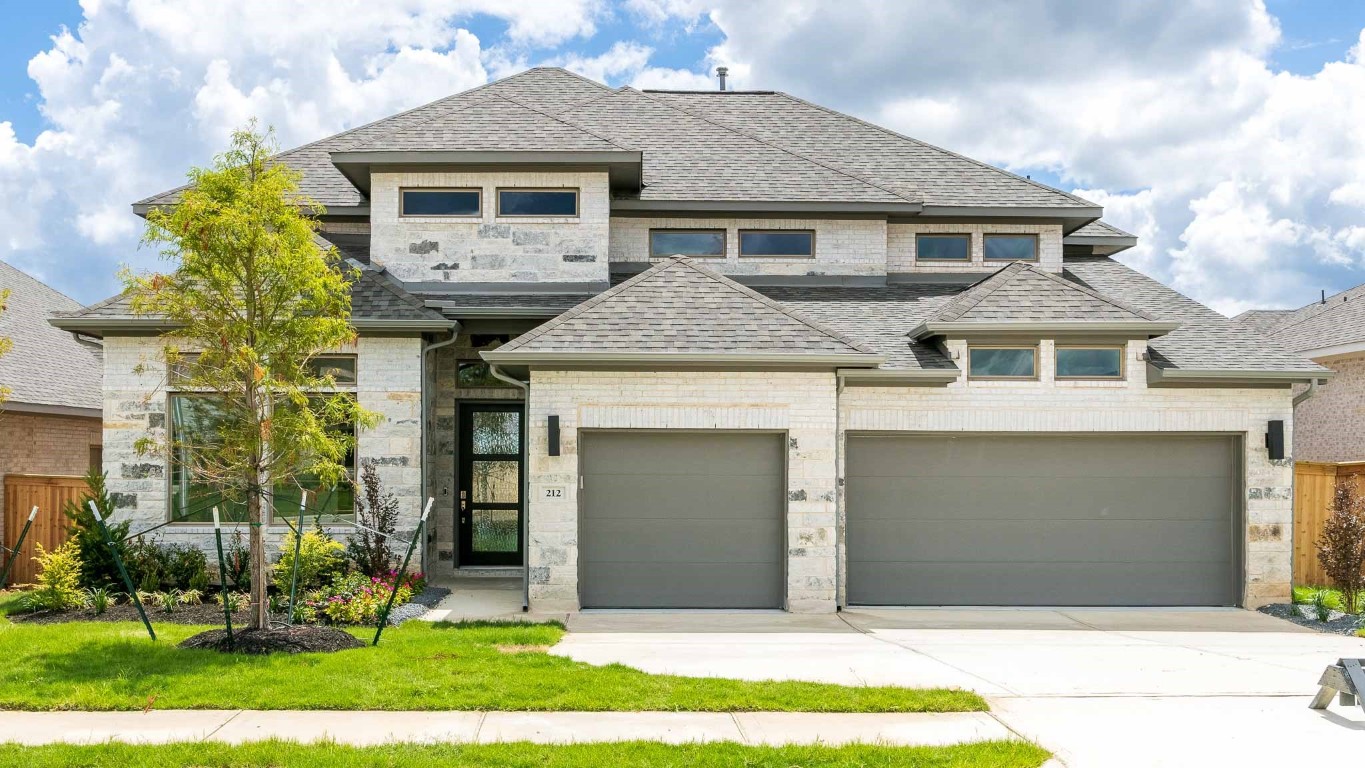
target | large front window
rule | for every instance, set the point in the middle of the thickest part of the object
(198, 420)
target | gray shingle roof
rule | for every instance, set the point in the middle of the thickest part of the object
(46, 366)
(1021, 293)
(1100, 229)
(677, 307)
(939, 177)
(1338, 320)
(1205, 339)
(495, 123)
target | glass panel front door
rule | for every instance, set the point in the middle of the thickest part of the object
(489, 507)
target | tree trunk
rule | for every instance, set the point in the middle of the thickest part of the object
(260, 608)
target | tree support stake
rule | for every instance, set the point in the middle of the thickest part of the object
(18, 547)
(402, 572)
(122, 571)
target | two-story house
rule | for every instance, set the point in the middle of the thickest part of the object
(736, 350)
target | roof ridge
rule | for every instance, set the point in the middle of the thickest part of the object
(1091, 292)
(973, 300)
(557, 118)
(40, 283)
(744, 290)
(1328, 307)
(558, 320)
(934, 147)
(778, 147)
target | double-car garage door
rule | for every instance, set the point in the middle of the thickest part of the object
(697, 520)
(1105, 520)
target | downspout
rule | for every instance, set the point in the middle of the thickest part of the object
(88, 342)
(525, 387)
(1307, 393)
(427, 424)
(839, 561)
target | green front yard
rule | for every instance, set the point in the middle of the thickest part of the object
(1000, 754)
(113, 666)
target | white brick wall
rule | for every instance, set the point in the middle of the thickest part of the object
(900, 247)
(842, 246)
(490, 248)
(800, 404)
(389, 377)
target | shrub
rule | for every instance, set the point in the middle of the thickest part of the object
(376, 509)
(183, 565)
(98, 569)
(320, 559)
(237, 561)
(235, 601)
(1322, 604)
(354, 599)
(1341, 547)
(154, 566)
(167, 601)
(98, 599)
(59, 579)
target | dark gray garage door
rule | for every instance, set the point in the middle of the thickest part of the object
(681, 520)
(1042, 520)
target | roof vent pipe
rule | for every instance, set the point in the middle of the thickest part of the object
(1324, 290)
(721, 72)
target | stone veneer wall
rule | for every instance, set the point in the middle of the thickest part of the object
(842, 246)
(900, 246)
(44, 444)
(389, 375)
(1124, 406)
(1330, 425)
(489, 248)
(800, 404)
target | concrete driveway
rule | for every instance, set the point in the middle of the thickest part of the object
(1098, 687)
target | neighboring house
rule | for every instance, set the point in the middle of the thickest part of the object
(1329, 422)
(883, 374)
(50, 425)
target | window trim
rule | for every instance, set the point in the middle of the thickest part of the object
(966, 260)
(1123, 362)
(724, 241)
(986, 236)
(478, 192)
(355, 365)
(739, 244)
(577, 203)
(1031, 347)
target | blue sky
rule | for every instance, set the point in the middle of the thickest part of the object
(1226, 135)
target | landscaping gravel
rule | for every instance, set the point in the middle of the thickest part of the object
(421, 603)
(1340, 623)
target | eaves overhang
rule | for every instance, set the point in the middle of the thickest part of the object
(46, 409)
(892, 377)
(99, 327)
(623, 166)
(1224, 377)
(736, 360)
(329, 211)
(1129, 328)
(889, 208)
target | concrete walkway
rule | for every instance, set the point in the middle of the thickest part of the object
(369, 728)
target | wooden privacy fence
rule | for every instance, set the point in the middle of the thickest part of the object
(49, 493)
(1314, 485)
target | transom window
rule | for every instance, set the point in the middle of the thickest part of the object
(792, 243)
(476, 374)
(943, 247)
(537, 202)
(1089, 362)
(1011, 247)
(340, 367)
(440, 202)
(1002, 362)
(707, 243)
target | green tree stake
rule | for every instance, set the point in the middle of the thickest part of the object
(298, 545)
(388, 606)
(18, 547)
(222, 576)
(122, 571)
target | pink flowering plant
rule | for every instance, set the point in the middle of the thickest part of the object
(357, 599)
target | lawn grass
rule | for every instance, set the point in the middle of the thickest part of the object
(114, 666)
(995, 754)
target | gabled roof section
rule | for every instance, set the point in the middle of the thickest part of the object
(46, 370)
(1020, 297)
(677, 312)
(496, 123)
(1323, 327)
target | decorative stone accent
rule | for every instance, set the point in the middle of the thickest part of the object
(424, 247)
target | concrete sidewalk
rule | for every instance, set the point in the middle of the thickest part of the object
(370, 728)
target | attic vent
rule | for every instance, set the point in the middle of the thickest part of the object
(721, 72)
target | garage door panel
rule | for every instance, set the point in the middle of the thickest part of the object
(649, 495)
(681, 520)
(1041, 519)
(673, 540)
(1129, 584)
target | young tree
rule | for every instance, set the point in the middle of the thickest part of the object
(1341, 548)
(5, 344)
(251, 300)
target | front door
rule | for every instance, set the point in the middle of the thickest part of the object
(489, 507)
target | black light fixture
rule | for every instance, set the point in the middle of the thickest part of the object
(554, 435)
(1274, 439)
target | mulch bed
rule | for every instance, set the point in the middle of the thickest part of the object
(1340, 624)
(301, 638)
(204, 613)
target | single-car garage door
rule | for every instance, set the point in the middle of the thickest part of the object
(1105, 520)
(681, 520)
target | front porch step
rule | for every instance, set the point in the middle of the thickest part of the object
(489, 572)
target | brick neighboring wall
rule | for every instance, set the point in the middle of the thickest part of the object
(39, 444)
(842, 246)
(389, 372)
(900, 248)
(489, 248)
(800, 404)
(1330, 425)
